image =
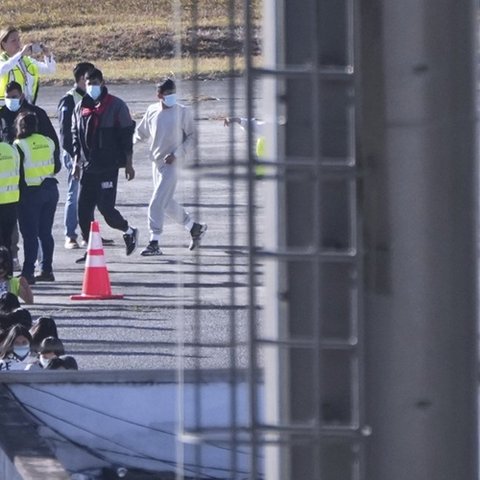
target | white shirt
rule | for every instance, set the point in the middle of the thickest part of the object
(171, 130)
(47, 66)
(12, 362)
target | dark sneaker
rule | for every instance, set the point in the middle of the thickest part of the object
(151, 249)
(71, 243)
(197, 232)
(45, 277)
(131, 241)
(82, 259)
(107, 241)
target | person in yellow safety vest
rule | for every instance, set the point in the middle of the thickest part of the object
(38, 196)
(17, 65)
(8, 283)
(9, 192)
(257, 128)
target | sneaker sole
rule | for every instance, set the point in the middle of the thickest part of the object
(151, 254)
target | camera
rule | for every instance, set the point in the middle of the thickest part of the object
(37, 48)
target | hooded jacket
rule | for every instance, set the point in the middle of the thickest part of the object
(102, 133)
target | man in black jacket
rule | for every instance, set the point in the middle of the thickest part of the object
(102, 142)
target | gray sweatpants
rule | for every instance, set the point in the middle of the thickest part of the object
(162, 201)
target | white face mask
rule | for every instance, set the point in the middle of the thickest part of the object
(22, 351)
(44, 361)
(13, 104)
(94, 91)
(170, 100)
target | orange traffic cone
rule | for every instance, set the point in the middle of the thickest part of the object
(96, 282)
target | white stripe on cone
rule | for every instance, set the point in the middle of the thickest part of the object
(95, 241)
(95, 261)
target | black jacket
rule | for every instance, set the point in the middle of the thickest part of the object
(65, 109)
(102, 133)
(45, 127)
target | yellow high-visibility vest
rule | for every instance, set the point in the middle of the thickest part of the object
(14, 285)
(19, 74)
(260, 170)
(9, 174)
(260, 147)
(38, 163)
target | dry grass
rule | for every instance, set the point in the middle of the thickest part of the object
(135, 39)
(150, 70)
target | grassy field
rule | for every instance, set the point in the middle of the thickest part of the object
(138, 40)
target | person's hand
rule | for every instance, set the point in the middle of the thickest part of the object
(129, 172)
(229, 120)
(45, 49)
(76, 170)
(26, 50)
(169, 159)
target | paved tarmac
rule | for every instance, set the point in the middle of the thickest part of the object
(200, 294)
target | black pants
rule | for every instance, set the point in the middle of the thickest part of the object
(99, 190)
(8, 220)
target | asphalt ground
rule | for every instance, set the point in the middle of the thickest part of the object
(199, 297)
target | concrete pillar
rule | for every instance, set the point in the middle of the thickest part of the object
(419, 155)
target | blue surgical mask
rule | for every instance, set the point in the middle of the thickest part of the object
(94, 91)
(22, 351)
(13, 104)
(170, 100)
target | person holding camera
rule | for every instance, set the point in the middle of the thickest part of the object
(17, 65)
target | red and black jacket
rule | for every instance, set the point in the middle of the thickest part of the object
(102, 132)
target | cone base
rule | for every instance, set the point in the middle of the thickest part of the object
(96, 297)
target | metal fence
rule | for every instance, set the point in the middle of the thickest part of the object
(292, 403)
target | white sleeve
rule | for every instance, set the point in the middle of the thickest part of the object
(47, 66)
(142, 131)
(188, 128)
(243, 123)
(9, 64)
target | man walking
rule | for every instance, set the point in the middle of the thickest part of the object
(65, 110)
(169, 127)
(102, 131)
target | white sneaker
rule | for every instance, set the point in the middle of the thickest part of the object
(71, 243)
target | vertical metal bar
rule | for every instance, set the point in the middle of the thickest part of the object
(316, 319)
(180, 448)
(233, 376)
(252, 319)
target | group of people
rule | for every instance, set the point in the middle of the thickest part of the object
(27, 345)
(96, 139)
(97, 136)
